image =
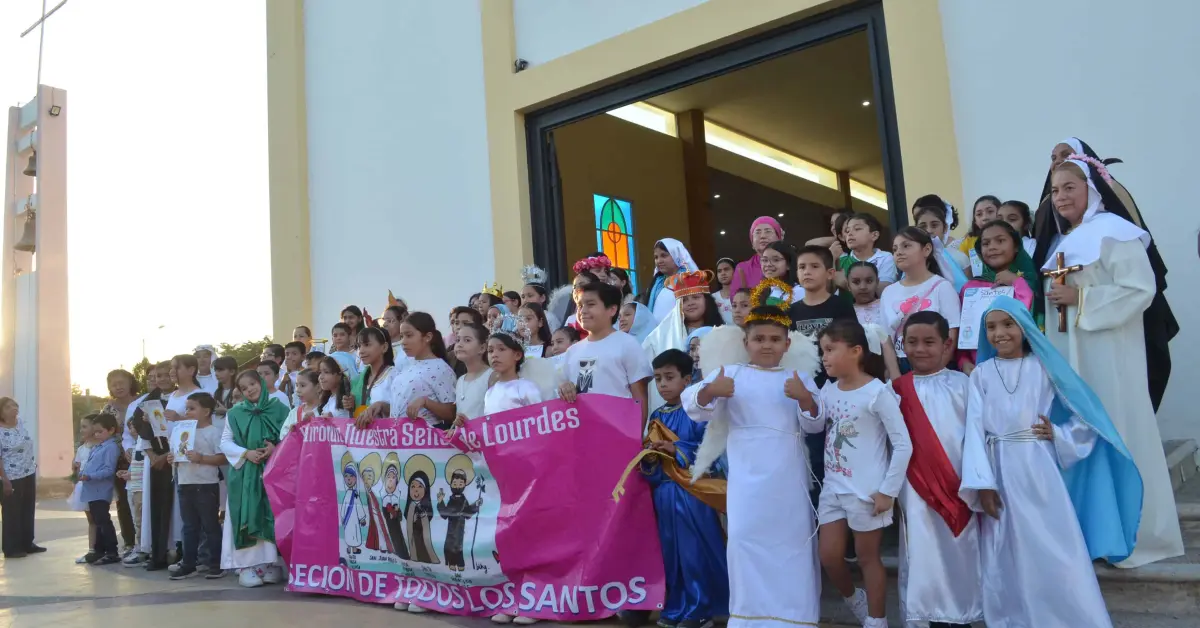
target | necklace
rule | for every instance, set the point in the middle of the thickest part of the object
(996, 364)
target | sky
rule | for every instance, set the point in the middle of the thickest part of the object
(167, 170)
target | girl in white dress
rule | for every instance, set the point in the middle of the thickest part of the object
(471, 349)
(759, 399)
(1043, 460)
(425, 388)
(861, 479)
(863, 279)
(374, 383)
(308, 394)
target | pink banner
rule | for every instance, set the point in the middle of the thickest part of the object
(517, 515)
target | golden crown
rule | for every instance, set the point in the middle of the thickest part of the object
(764, 295)
(495, 290)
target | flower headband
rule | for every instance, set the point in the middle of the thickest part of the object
(592, 263)
(1097, 165)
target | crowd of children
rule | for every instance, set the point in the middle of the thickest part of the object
(870, 377)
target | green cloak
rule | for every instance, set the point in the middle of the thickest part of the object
(252, 425)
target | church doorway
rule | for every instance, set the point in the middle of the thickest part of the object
(795, 124)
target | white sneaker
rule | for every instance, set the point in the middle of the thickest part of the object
(400, 606)
(857, 604)
(413, 608)
(249, 578)
(174, 568)
(502, 618)
(875, 622)
(272, 575)
(522, 620)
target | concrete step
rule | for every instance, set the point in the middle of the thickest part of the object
(1162, 595)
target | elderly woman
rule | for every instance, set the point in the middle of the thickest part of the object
(18, 465)
(763, 231)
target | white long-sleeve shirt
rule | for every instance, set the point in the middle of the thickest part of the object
(860, 425)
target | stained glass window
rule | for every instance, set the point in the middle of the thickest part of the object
(614, 233)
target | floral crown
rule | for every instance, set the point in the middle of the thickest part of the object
(495, 290)
(685, 283)
(1097, 166)
(774, 294)
(592, 263)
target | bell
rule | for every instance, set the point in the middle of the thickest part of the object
(31, 169)
(28, 241)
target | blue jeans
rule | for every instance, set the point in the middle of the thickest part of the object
(199, 505)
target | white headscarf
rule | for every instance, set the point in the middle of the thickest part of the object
(643, 322)
(679, 253)
(1082, 244)
(1075, 145)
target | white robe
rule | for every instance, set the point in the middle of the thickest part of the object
(1106, 345)
(774, 574)
(1035, 563)
(939, 573)
(263, 552)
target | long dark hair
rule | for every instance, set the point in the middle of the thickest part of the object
(224, 395)
(851, 332)
(187, 361)
(509, 341)
(332, 365)
(313, 378)
(389, 358)
(975, 229)
(1022, 209)
(424, 324)
(620, 273)
(544, 332)
(355, 310)
(789, 256)
(932, 203)
(922, 239)
(712, 313)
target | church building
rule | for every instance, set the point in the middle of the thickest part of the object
(429, 147)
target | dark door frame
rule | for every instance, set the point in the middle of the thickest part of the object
(549, 241)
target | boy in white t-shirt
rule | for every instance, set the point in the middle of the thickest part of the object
(269, 371)
(608, 361)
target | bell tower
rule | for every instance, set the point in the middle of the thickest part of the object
(35, 366)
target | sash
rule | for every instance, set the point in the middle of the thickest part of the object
(709, 490)
(929, 470)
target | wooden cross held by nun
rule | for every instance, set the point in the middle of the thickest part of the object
(1059, 275)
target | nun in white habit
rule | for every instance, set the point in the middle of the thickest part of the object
(1104, 339)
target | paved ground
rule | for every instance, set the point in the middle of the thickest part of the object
(51, 590)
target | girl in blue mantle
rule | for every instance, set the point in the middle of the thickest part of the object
(1032, 420)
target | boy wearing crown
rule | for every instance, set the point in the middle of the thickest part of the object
(758, 399)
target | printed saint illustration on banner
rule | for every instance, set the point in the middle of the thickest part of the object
(396, 513)
(460, 472)
(354, 515)
(417, 512)
(181, 440)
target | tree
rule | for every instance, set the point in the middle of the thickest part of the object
(141, 373)
(245, 352)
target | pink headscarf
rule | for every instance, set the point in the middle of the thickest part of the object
(749, 273)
